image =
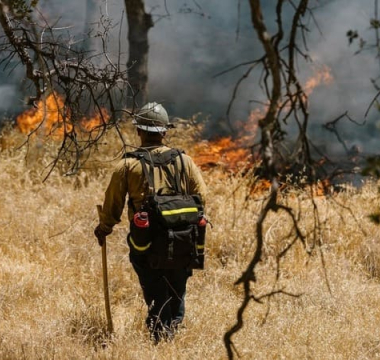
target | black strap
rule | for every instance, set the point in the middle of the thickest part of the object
(149, 176)
(132, 205)
(173, 179)
(184, 174)
(177, 179)
(163, 160)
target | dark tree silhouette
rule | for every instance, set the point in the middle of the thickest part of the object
(287, 101)
(139, 23)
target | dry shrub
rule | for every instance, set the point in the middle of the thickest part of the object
(51, 297)
(368, 257)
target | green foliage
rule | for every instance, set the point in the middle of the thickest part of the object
(352, 34)
(22, 8)
(375, 23)
(372, 167)
(375, 218)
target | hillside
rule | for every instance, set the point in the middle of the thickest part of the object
(51, 295)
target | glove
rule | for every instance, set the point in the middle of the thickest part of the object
(101, 235)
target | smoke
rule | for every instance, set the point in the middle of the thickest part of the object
(200, 47)
(7, 96)
(190, 44)
(352, 90)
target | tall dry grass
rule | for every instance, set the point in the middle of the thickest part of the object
(51, 296)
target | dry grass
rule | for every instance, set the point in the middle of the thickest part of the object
(51, 299)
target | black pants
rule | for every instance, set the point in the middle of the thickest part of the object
(164, 293)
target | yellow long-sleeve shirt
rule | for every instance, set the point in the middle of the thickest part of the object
(128, 179)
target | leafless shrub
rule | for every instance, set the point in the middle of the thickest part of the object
(81, 84)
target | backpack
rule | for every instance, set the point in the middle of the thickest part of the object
(170, 227)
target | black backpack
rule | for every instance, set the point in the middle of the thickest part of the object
(170, 227)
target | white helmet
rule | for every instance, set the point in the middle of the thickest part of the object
(152, 117)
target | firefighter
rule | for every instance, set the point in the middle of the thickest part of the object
(163, 289)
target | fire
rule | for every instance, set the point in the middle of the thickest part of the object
(260, 186)
(52, 118)
(46, 118)
(224, 152)
(323, 76)
(321, 188)
(232, 154)
(98, 119)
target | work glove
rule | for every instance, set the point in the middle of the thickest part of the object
(101, 235)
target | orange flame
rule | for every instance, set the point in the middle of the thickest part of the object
(233, 153)
(260, 186)
(46, 118)
(224, 152)
(323, 76)
(97, 120)
(51, 117)
(321, 188)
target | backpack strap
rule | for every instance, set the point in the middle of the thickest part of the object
(149, 175)
(162, 160)
(179, 173)
(144, 156)
(184, 174)
(177, 177)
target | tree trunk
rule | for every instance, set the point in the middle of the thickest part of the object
(139, 23)
(268, 123)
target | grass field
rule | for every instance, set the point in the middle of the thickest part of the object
(51, 295)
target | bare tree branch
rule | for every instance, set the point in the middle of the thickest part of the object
(279, 72)
(81, 83)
